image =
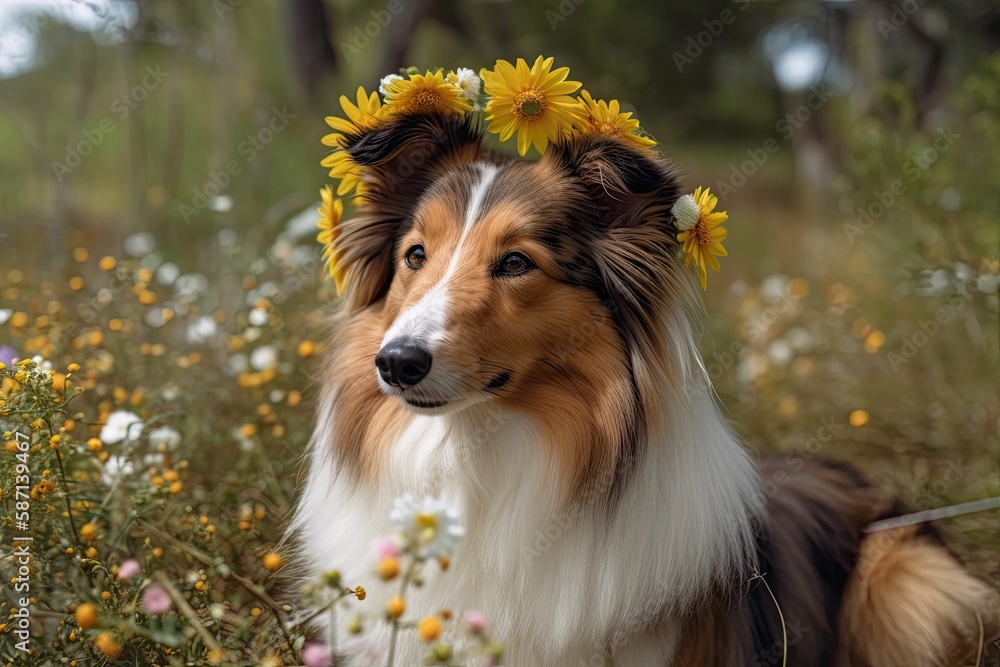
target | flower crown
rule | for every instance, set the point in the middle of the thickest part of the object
(536, 104)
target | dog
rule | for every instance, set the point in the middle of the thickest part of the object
(516, 338)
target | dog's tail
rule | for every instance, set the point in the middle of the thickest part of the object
(909, 603)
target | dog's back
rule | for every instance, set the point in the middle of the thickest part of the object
(836, 596)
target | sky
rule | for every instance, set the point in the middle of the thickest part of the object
(21, 21)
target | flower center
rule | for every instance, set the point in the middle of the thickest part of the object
(604, 127)
(425, 99)
(702, 232)
(529, 104)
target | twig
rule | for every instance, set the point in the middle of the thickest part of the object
(256, 590)
(784, 629)
(982, 636)
(186, 609)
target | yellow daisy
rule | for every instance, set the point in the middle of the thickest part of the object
(701, 230)
(361, 118)
(424, 93)
(330, 211)
(607, 118)
(538, 103)
(343, 168)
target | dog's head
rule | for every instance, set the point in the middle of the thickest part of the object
(496, 277)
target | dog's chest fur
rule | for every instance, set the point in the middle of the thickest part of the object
(562, 576)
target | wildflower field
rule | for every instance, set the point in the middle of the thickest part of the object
(164, 305)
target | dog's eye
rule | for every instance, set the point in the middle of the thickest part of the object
(514, 264)
(415, 257)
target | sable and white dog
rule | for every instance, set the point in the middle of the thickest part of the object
(516, 341)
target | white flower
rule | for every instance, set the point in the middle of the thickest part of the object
(42, 363)
(167, 273)
(140, 244)
(237, 364)
(115, 467)
(467, 80)
(686, 213)
(221, 203)
(166, 436)
(774, 287)
(201, 330)
(428, 524)
(258, 317)
(780, 352)
(264, 358)
(386, 82)
(121, 425)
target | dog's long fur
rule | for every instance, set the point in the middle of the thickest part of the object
(611, 515)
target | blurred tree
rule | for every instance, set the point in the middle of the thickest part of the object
(310, 31)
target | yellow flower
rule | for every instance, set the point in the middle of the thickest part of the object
(429, 628)
(273, 561)
(361, 118)
(535, 103)
(330, 211)
(395, 607)
(89, 532)
(360, 593)
(108, 645)
(344, 169)
(424, 93)
(703, 235)
(607, 118)
(86, 616)
(388, 567)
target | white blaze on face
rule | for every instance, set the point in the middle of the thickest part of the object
(425, 321)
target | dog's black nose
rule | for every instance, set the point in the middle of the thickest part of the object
(403, 364)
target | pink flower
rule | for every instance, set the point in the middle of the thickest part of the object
(386, 547)
(316, 655)
(157, 601)
(476, 621)
(129, 569)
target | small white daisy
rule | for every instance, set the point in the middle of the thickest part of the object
(201, 330)
(467, 80)
(166, 436)
(115, 467)
(386, 82)
(264, 358)
(686, 212)
(121, 425)
(430, 525)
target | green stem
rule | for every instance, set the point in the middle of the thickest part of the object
(395, 622)
(333, 634)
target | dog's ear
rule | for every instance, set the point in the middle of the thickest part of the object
(399, 161)
(629, 192)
